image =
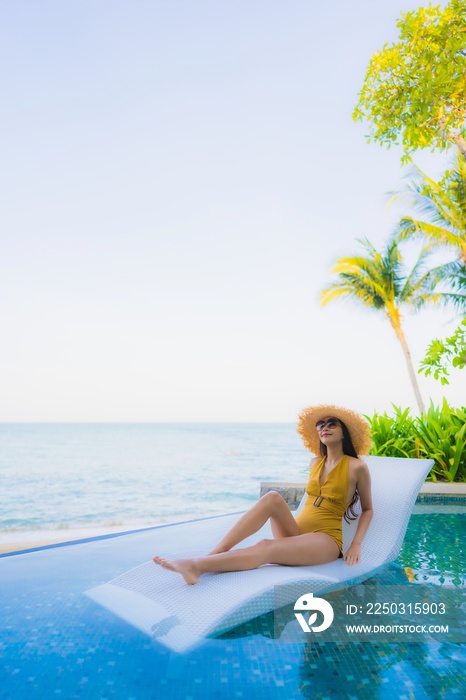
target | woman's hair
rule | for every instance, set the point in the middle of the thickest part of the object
(348, 449)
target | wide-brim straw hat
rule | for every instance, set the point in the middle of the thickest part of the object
(358, 427)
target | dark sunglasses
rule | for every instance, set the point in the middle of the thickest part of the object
(330, 423)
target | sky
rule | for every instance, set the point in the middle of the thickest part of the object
(178, 178)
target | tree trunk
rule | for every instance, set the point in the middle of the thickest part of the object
(412, 374)
(460, 142)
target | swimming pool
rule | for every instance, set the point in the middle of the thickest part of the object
(56, 642)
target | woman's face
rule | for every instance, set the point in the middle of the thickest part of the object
(330, 431)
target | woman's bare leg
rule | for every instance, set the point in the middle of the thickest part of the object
(272, 506)
(302, 550)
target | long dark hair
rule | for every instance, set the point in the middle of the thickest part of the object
(348, 449)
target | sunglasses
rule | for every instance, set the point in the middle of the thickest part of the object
(330, 423)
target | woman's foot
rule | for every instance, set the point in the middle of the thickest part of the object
(186, 567)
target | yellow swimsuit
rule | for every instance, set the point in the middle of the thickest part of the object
(325, 506)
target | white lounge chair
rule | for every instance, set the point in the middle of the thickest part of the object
(180, 616)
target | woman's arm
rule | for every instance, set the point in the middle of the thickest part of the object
(353, 553)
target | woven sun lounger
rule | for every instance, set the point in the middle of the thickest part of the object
(162, 605)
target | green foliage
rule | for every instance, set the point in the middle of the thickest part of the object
(415, 89)
(442, 433)
(443, 354)
(438, 434)
(393, 436)
(379, 280)
(441, 208)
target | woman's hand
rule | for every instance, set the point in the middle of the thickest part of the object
(353, 554)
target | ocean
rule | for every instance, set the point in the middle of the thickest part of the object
(100, 477)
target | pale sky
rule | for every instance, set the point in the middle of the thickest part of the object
(178, 177)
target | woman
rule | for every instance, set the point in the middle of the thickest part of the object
(338, 478)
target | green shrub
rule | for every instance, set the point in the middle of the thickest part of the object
(438, 434)
(442, 435)
(393, 436)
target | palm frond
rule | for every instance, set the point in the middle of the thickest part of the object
(440, 207)
(351, 286)
(418, 281)
(408, 227)
(450, 278)
(434, 206)
(380, 281)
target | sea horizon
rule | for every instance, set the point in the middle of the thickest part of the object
(61, 478)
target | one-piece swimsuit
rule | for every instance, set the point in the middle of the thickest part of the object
(325, 505)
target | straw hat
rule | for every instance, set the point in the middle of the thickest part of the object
(358, 427)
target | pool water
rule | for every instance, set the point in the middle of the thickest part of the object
(57, 643)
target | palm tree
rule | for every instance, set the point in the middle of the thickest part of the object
(442, 208)
(453, 275)
(379, 281)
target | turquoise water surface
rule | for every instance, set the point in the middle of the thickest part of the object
(55, 642)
